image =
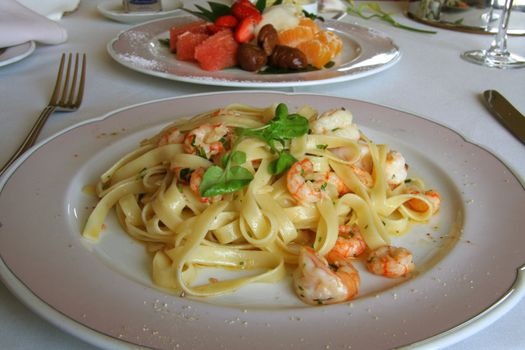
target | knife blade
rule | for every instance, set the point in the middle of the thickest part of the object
(506, 113)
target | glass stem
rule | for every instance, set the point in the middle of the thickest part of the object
(499, 44)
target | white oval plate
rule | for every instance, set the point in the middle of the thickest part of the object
(468, 256)
(16, 53)
(365, 52)
(112, 9)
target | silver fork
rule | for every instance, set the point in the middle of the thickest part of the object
(67, 97)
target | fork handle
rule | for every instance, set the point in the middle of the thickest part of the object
(31, 137)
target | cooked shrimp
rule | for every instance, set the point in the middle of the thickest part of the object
(395, 168)
(337, 122)
(332, 179)
(365, 161)
(195, 182)
(390, 261)
(307, 186)
(421, 206)
(364, 176)
(349, 244)
(316, 282)
(206, 140)
(300, 188)
(172, 135)
(347, 153)
(363, 167)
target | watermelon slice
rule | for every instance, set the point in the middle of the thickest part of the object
(217, 52)
(194, 27)
(186, 44)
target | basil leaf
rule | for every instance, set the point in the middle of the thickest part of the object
(225, 159)
(239, 173)
(216, 181)
(293, 126)
(212, 176)
(234, 179)
(282, 127)
(281, 164)
(238, 157)
(225, 187)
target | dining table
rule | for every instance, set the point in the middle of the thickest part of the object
(430, 80)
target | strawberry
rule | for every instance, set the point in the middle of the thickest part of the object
(245, 9)
(226, 21)
(245, 31)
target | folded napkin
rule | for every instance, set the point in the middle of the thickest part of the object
(18, 25)
(52, 9)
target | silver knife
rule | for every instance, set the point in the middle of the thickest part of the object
(506, 113)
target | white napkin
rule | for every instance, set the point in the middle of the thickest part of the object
(52, 9)
(18, 25)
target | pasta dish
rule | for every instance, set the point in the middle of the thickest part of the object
(259, 190)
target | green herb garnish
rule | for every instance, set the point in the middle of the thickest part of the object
(280, 70)
(216, 180)
(216, 10)
(165, 42)
(378, 12)
(312, 16)
(329, 64)
(282, 127)
(185, 174)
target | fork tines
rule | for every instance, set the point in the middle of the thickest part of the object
(69, 97)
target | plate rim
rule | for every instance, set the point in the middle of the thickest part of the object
(31, 48)
(397, 55)
(484, 318)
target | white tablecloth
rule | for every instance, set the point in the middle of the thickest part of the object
(430, 80)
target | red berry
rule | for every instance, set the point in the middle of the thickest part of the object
(245, 31)
(243, 10)
(226, 21)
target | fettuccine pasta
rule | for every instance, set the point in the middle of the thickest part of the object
(246, 189)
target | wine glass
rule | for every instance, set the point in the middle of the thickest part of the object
(497, 55)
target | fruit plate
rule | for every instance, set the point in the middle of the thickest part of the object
(365, 52)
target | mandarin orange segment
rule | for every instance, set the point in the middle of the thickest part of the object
(332, 40)
(293, 36)
(310, 23)
(317, 53)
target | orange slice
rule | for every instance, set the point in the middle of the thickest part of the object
(317, 53)
(330, 39)
(294, 36)
(310, 23)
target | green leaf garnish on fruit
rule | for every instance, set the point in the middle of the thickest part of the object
(165, 42)
(216, 10)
